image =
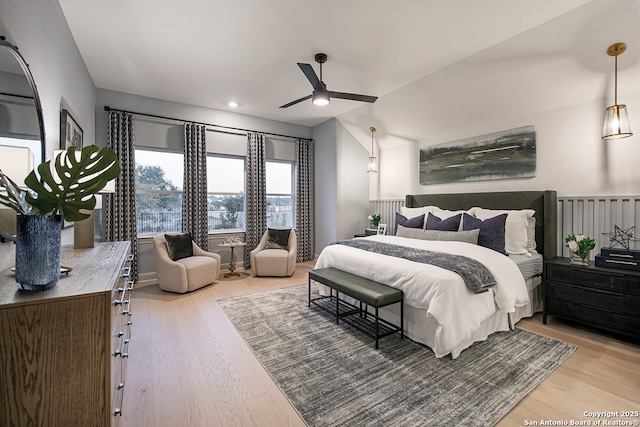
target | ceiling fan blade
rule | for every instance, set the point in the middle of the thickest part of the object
(295, 102)
(353, 96)
(308, 71)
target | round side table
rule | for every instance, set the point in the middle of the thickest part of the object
(232, 264)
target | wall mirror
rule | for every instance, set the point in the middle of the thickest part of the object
(22, 137)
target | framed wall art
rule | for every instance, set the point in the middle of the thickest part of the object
(507, 154)
(70, 131)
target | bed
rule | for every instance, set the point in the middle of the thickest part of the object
(440, 311)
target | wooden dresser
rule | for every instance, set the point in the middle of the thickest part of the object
(63, 351)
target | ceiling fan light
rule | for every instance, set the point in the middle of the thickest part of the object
(320, 97)
(616, 123)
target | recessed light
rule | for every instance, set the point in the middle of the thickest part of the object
(232, 104)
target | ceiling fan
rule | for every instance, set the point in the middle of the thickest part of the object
(321, 95)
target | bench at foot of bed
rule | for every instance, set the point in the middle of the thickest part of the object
(366, 291)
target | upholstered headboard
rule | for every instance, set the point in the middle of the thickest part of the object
(545, 204)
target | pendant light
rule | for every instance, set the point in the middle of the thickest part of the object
(616, 119)
(373, 167)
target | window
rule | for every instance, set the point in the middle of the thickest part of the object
(159, 176)
(279, 194)
(225, 187)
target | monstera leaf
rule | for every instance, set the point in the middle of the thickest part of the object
(68, 183)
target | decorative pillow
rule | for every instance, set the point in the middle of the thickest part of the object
(470, 236)
(491, 231)
(449, 224)
(516, 238)
(278, 238)
(179, 246)
(416, 222)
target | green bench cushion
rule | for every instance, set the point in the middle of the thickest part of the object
(369, 292)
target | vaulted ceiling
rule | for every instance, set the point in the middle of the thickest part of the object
(207, 53)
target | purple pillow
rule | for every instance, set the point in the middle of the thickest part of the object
(416, 222)
(491, 231)
(449, 224)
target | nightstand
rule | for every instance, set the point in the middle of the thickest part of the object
(604, 298)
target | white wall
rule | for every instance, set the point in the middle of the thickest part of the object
(326, 185)
(352, 191)
(571, 156)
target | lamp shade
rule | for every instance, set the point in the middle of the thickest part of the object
(373, 167)
(616, 123)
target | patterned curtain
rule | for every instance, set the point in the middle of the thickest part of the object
(255, 194)
(120, 207)
(194, 199)
(304, 210)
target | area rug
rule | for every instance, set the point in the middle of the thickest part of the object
(334, 377)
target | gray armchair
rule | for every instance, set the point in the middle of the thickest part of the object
(274, 262)
(185, 274)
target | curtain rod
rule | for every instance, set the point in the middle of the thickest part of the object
(107, 108)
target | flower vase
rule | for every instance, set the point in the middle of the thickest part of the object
(574, 258)
(38, 251)
(374, 224)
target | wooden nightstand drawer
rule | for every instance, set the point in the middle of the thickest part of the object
(594, 297)
(610, 320)
(597, 277)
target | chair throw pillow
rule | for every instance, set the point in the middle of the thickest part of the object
(278, 238)
(415, 222)
(491, 231)
(449, 224)
(179, 246)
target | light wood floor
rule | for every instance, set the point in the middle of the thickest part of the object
(189, 367)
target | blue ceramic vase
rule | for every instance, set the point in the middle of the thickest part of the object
(38, 251)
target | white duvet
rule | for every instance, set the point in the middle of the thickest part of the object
(442, 293)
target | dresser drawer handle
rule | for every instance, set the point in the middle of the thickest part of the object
(120, 302)
(125, 354)
(120, 351)
(130, 257)
(118, 409)
(126, 271)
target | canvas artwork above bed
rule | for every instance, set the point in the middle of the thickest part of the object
(508, 233)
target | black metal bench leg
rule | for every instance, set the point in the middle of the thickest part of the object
(309, 300)
(337, 307)
(402, 318)
(377, 328)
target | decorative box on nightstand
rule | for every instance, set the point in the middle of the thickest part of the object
(619, 258)
(599, 297)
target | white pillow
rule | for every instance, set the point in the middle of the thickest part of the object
(516, 237)
(531, 235)
(414, 212)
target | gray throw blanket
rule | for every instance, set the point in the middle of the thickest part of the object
(475, 275)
